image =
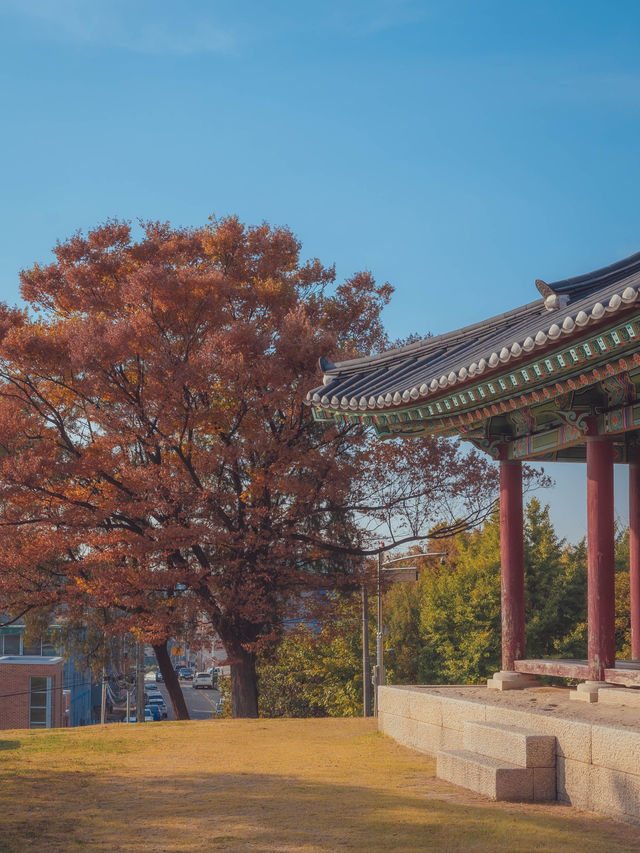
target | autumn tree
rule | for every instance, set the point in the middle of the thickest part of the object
(156, 451)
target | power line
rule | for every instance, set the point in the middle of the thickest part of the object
(106, 681)
(51, 689)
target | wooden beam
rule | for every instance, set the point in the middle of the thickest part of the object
(557, 668)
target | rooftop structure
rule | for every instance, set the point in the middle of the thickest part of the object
(556, 379)
(548, 365)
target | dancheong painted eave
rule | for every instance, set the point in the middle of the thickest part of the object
(434, 366)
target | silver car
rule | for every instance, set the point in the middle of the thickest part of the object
(203, 680)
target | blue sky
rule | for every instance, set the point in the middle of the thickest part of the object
(459, 150)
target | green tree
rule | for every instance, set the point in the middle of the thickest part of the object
(446, 628)
(623, 616)
(460, 611)
(570, 640)
(405, 640)
(316, 669)
(544, 588)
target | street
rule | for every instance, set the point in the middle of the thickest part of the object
(201, 704)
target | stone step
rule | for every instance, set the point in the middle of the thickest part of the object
(509, 743)
(496, 779)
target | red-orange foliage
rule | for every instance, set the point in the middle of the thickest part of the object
(154, 431)
(158, 457)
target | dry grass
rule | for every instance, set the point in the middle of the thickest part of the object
(261, 785)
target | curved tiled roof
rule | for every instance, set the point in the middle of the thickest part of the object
(428, 367)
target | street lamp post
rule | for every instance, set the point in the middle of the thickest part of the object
(366, 662)
(140, 682)
(379, 638)
(379, 677)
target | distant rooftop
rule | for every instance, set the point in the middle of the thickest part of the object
(38, 660)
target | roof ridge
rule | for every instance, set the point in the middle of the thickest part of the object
(418, 370)
(427, 345)
(580, 282)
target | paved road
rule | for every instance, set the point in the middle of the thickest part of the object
(200, 703)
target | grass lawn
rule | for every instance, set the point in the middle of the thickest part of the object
(260, 785)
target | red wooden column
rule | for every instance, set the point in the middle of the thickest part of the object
(511, 562)
(634, 552)
(601, 648)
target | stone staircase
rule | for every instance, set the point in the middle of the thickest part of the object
(502, 762)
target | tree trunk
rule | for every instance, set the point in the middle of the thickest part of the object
(244, 684)
(171, 680)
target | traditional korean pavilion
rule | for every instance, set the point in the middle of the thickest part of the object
(556, 379)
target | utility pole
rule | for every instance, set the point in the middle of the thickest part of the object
(380, 632)
(103, 701)
(140, 683)
(379, 677)
(366, 661)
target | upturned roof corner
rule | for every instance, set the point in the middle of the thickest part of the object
(427, 370)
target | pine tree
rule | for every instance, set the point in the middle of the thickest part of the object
(460, 611)
(545, 611)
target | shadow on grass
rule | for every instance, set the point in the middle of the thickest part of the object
(238, 811)
(10, 744)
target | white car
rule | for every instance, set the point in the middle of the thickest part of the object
(203, 679)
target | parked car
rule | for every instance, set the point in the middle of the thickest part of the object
(159, 703)
(148, 717)
(203, 680)
(154, 710)
(159, 676)
(153, 694)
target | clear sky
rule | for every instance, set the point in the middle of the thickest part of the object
(459, 150)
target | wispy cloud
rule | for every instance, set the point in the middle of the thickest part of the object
(377, 16)
(611, 87)
(389, 14)
(141, 26)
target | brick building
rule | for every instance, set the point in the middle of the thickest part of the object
(31, 692)
(78, 681)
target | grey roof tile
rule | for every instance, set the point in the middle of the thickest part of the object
(427, 367)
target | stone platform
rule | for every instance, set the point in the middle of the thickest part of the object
(500, 743)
